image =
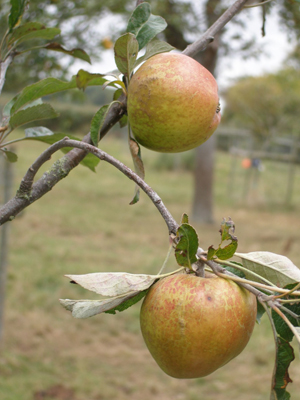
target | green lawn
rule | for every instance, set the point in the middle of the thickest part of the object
(85, 224)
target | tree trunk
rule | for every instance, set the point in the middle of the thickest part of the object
(202, 209)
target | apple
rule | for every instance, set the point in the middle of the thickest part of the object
(193, 326)
(172, 103)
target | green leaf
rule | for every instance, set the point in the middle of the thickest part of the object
(90, 160)
(128, 303)
(98, 120)
(155, 46)
(83, 78)
(235, 271)
(116, 83)
(123, 121)
(282, 328)
(144, 25)
(9, 155)
(228, 251)
(97, 123)
(117, 94)
(187, 246)
(126, 51)
(224, 253)
(227, 230)
(43, 88)
(284, 356)
(42, 134)
(32, 30)
(41, 111)
(260, 312)
(135, 151)
(16, 12)
(7, 108)
(184, 219)
(76, 53)
(276, 268)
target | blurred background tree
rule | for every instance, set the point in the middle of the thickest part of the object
(266, 105)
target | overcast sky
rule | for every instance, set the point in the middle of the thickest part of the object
(275, 47)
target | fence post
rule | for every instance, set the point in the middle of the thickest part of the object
(6, 177)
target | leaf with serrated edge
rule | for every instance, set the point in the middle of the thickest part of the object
(126, 51)
(43, 88)
(185, 219)
(280, 379)
(16, 12)
(276, 268)
(113, 283)
(145, 25)
(76, 53)
(98, 120)
(187, 246)
(38, 112)
(228, 251)
(21, 34)
(84, 77)
(89, 308)
(282, 329)
(10, 156)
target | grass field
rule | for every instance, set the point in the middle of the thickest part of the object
(86, 225)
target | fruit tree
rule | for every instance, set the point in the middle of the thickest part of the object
(200, 316)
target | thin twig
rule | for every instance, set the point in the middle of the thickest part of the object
(209, 35)
(68, 162)
(157, 201)
(27, 181)
(26, 186)
(289, 292)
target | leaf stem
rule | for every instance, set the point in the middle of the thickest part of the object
(243, 269)
(12, 141)
(171, 273)
(289, 292)
(258, 4)
(166, 259)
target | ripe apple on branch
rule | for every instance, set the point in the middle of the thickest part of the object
(197, 318)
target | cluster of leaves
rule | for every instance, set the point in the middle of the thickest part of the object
(28, 105)
(266, 271)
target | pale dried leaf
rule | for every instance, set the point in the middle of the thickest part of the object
(113, 283)
(89, 308)
(276, 268)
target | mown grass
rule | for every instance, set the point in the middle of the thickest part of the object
(85, 224)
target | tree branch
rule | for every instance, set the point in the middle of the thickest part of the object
(28, 193)
(62, 167)
(208, 36)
